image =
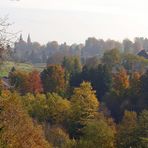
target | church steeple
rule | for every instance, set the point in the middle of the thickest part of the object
(21, 38)
(29, 39)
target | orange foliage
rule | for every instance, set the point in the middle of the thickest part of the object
(19, 131)
(121, 80)
(26, 82)
(135, 82)
(35, 85)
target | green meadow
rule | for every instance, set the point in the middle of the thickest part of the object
(27, 67)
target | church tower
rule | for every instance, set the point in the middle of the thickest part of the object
(21, 38)
(29, 39)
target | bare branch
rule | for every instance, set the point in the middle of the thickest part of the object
(6, 38)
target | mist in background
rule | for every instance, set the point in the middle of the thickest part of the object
(72, 21)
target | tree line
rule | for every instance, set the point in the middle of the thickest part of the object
(89, 102)
(33, 52)
(102, 104)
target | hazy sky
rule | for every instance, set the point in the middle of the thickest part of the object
(75, 20)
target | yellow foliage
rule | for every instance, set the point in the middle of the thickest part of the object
(17, 128)
(121, 80)
(84, 102)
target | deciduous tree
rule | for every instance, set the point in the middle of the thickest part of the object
(35, 84)
(126, 135)
(17, 128)
(143, 129)
(84, 107)
(120, 81)
(97, 134)
(53, 79)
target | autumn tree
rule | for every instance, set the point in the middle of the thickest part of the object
(84, 108)
(132, 94)
(142, 129)
(19, 81)
(97, 134)
(35, 84)
(26, 82)
(120, 81)
(53, 79)
(126, 94)
(135, 82)
(17, 129)
(1, 86)
(36, 106)
(59, 138)
(126, 135)
(52, 108)
(100, 78)
(59, 108)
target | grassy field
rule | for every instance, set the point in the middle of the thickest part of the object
(6, 67)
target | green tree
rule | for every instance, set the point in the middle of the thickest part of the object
(59, 138)
(53, 79)
(58, 108)
(72, 68)
(144, 83)
(133, 62)
(84, 108)
(112, 57)
(97, 134)
(92, 62)
(143, 101)
(71, 64)
(128, 46)
(126, 134)
(135, 83)
(19, 80)
(100, 78)
(52, 108)
(143, 129)
(36, 106)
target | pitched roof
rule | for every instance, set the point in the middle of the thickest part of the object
(143, 53)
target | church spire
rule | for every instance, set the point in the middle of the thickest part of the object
(21, 38)
(29, 39)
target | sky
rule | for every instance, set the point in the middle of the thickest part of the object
(73, 21)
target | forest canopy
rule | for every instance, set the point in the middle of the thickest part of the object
(87, 96)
